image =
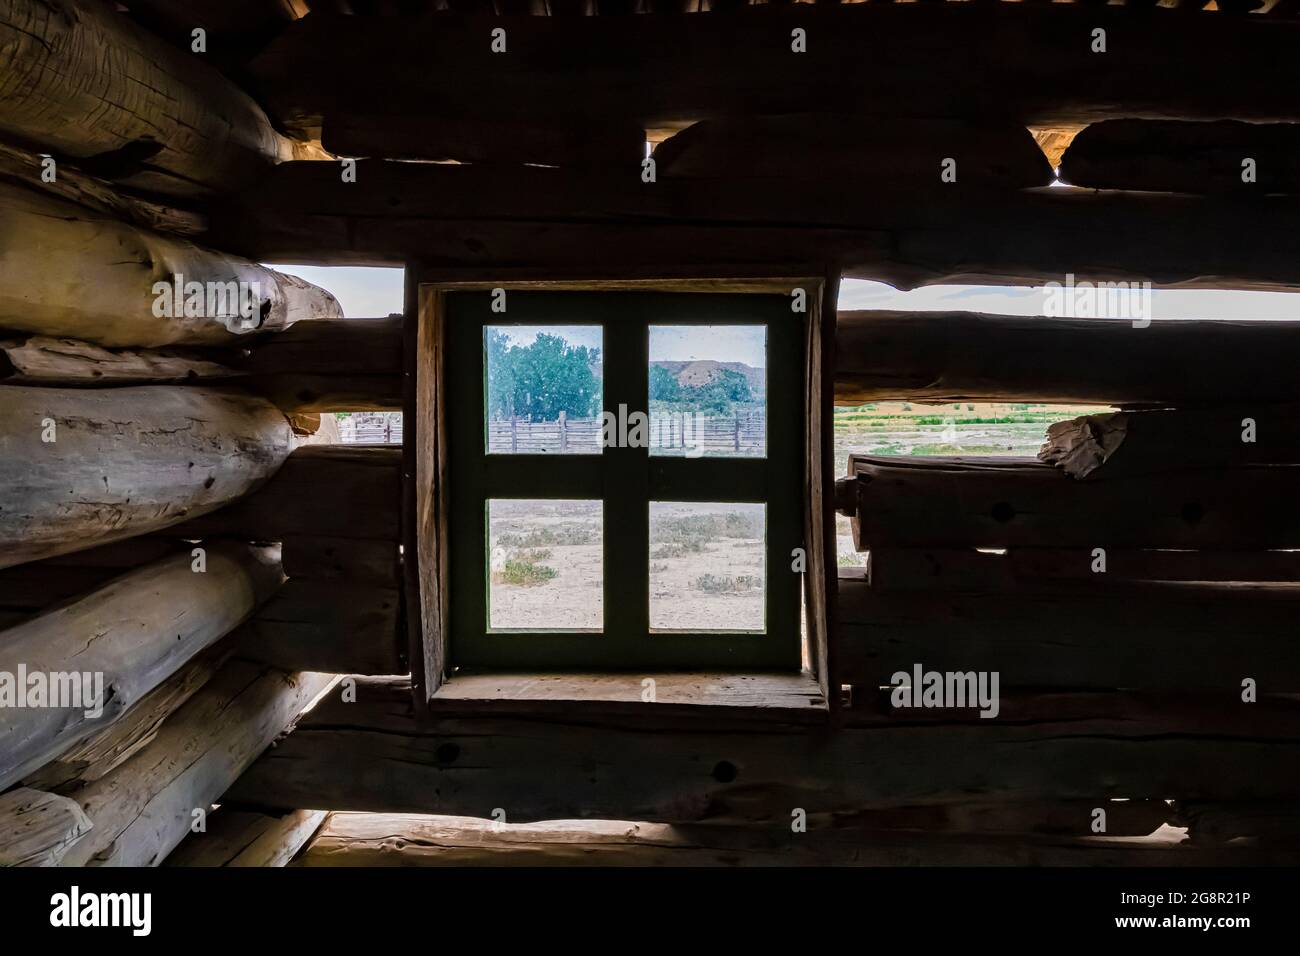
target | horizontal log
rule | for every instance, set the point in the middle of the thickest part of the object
(118, 643)
(370, 839)
(247, 838)
(107, 749)
(85, 82)
(906, 153)
(1167, 637)
(85, 467)
(1019, 502)
(30, 587)
(373, 755)
(24, 167)
(232, 21)
(143, 809)
(321, 491)
(552, 223)
(1037, 569)
(350, 559)
(332, 366)
(1217, 823)
(1172, 156)
(1151, 442)
(590, 144)
(81, 274)
(328, 626)
(970, 356)
(666, 69)
(37, 828)
(43, 361)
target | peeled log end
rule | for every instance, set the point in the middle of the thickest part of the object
(38, 828)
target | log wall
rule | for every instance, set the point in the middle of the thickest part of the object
(130, 438)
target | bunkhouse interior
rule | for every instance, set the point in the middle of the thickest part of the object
(621, 577)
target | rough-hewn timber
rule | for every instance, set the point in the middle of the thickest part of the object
(339, 366)
(906, 153)
(247, 838)
(119, 643)
(1163, 637)
(1186, 157)
(971, 356)
(372, 755)
(332, 626)
(370, 839)
(355, 560)
(1154, 442)
(875, 59)
(83, 81)
(1038, 569)
(83, 467)
(39, 360)
(145, 807)
(328, 491)
(37, 828)
(80, 274)
(1022, 502)
(25, 167)
(535, 223)
(102, 752)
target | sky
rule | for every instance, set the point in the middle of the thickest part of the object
(372, 292)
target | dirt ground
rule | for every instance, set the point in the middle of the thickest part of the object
(706, 566)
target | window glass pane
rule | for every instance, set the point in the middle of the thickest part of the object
(707, 566)
(545, 564)
(708, 391)
(544, 389)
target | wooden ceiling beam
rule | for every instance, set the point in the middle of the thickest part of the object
(1005, 61)
(547, 223)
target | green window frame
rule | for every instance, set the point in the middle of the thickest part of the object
(625, 480)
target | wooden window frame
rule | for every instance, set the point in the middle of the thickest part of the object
(430, 515)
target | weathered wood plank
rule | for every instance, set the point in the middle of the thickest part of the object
(321, 491)
(1161, 637)
(332, 366)
(369, 839)
(246, 838)
(26, 167)
(36, 829)
(118, 643)
(85, 275)
(1021, 502)
(143, 809)
(85, 467)
(107, 749)
(83, 81)
(1040, 569)
(348, 559)
(372, 755)
(328, 626)
(970, 356)
(40, 360)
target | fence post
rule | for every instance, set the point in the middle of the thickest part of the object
(736, 431)
(564, 431)
(514, 434)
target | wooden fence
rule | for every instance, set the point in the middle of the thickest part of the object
(670, 433)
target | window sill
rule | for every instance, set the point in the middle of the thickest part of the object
(782, 698)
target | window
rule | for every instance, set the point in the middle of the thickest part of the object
(625, 480)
